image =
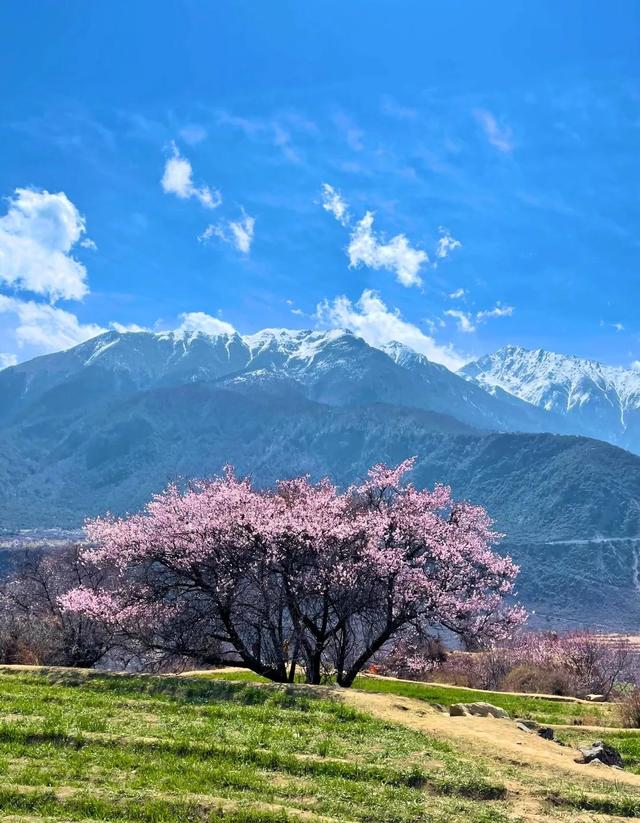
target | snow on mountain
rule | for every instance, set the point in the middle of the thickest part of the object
(335, 367)
(597, 400)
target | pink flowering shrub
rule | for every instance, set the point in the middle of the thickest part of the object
(301, 576)
(411, 656)
(34, 628)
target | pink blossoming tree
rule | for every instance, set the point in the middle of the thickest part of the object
(303, 576)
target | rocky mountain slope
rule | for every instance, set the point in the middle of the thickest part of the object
(334, 367)
(594, 399)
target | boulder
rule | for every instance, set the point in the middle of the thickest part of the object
(523, 728)
(487, 710)
(477, 710)
(606, 755)
(546, 732)
(531, 725)
(596, 698)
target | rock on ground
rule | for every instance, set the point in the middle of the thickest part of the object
(598, 751)
(478, 709)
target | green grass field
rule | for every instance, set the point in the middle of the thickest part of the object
(74, 747)
(83, 746)
(544, 711)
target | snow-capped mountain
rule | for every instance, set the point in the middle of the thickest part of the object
(334, 367)
(597, 400)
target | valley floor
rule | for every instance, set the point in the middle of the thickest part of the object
(83, 746)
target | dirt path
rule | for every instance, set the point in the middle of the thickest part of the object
(499, 740)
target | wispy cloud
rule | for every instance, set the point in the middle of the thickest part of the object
(237, 233)
(391, 107)
(334, 203)
(397, 255)
(463, 319)
(178, 179)
(352, 134)
(499, 136)
(616, 326)
(467, 322)
(280, 130)
(193, 134)
(7, 360)
(497, 311)
(457, 294)
(446, 244)
(378, 324)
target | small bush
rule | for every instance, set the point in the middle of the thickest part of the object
(528, 678)
(573, 663)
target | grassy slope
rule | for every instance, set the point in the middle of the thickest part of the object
(74, 747)
(544, 711)
(82, 746)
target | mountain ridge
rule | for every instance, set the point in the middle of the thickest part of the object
(595, 399)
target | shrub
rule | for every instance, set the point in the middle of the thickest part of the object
(630, 710)
(571, 663)
(34, 628)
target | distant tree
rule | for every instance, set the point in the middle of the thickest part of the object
(34, 627)
(303, 576)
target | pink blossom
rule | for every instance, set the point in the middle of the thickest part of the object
(330, 574)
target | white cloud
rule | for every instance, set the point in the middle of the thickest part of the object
(635, 365)
(88, 243)
(123, 328)
(618, 326)
(446, 244)
(46, 328)
(242, 232)
(397, 255)
(499, 136)
(199, 321)
(497, 311)
(457, 294)
(464, 320)
(7, 360)
(37, 235)
(333, 202)
(238, 233)
(178, 179)
(372, 320)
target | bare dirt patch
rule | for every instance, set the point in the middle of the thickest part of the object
(491, 738)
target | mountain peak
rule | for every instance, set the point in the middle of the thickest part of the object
(602, 401)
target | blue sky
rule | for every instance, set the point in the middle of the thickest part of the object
(459, 175)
